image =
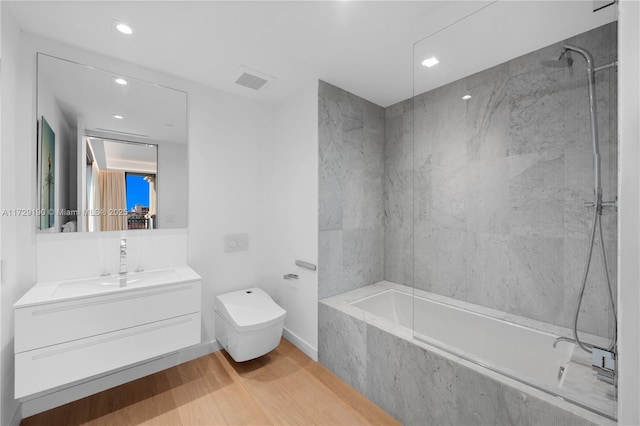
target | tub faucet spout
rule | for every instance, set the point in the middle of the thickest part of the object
(568, 339)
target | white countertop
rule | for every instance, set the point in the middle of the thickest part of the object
(58, 291)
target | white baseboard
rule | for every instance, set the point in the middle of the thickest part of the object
(301, 344)
(54, 398)
(15, 420)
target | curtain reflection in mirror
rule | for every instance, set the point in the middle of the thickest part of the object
(113, 199)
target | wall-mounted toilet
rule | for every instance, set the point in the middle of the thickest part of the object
(248, 323)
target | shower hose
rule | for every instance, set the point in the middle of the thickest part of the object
(597, 224)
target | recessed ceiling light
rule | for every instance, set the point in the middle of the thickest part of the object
(466, 97)
(123, 28)
(121, 81)
(119, 117)
(429, 62)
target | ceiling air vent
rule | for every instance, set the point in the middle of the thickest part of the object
(252, 79)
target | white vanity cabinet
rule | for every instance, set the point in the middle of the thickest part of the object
(73, 330)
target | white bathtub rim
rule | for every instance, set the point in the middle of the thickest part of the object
(426, 341)
(342, 303)
(381, 286)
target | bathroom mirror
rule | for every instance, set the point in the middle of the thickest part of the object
(112, 150)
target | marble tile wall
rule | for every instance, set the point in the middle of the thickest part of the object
(499, 184)
(419, 386)
(342, 345)
(351, 191)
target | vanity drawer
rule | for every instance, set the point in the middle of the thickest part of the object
(54, 323)
(54, 366)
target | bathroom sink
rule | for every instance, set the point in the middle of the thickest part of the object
(47, 292)
(114, 282)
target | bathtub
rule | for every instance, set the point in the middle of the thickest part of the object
(514, 351)
(519, 351)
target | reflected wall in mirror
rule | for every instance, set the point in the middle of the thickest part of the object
(120, 151)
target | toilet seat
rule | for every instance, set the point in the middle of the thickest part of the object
(249, 309)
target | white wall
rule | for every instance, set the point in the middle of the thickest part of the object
(2, 385)
(171, 184)
(289, 215)
(83, 254)
(227, 136)
(1, 279)
(18, 190)
(629, 214)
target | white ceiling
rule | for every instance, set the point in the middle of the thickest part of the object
(503, 31)
(150, 112)
(130, 157)
(363, 47)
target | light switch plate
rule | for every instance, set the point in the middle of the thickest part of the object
(235, 242)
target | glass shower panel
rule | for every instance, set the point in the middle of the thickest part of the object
(504, 192)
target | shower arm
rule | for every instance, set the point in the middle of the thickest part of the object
(604, 67)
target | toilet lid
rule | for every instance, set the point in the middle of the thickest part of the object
(249, 309)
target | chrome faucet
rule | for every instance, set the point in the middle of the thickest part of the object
(123, 256)
(570, 340)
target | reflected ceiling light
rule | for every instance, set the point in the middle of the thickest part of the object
(123, 28)
(466, 97)
(429, 62)
(119, 117)
(121, 81)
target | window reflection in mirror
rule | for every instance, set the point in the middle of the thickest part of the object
(121, 189)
